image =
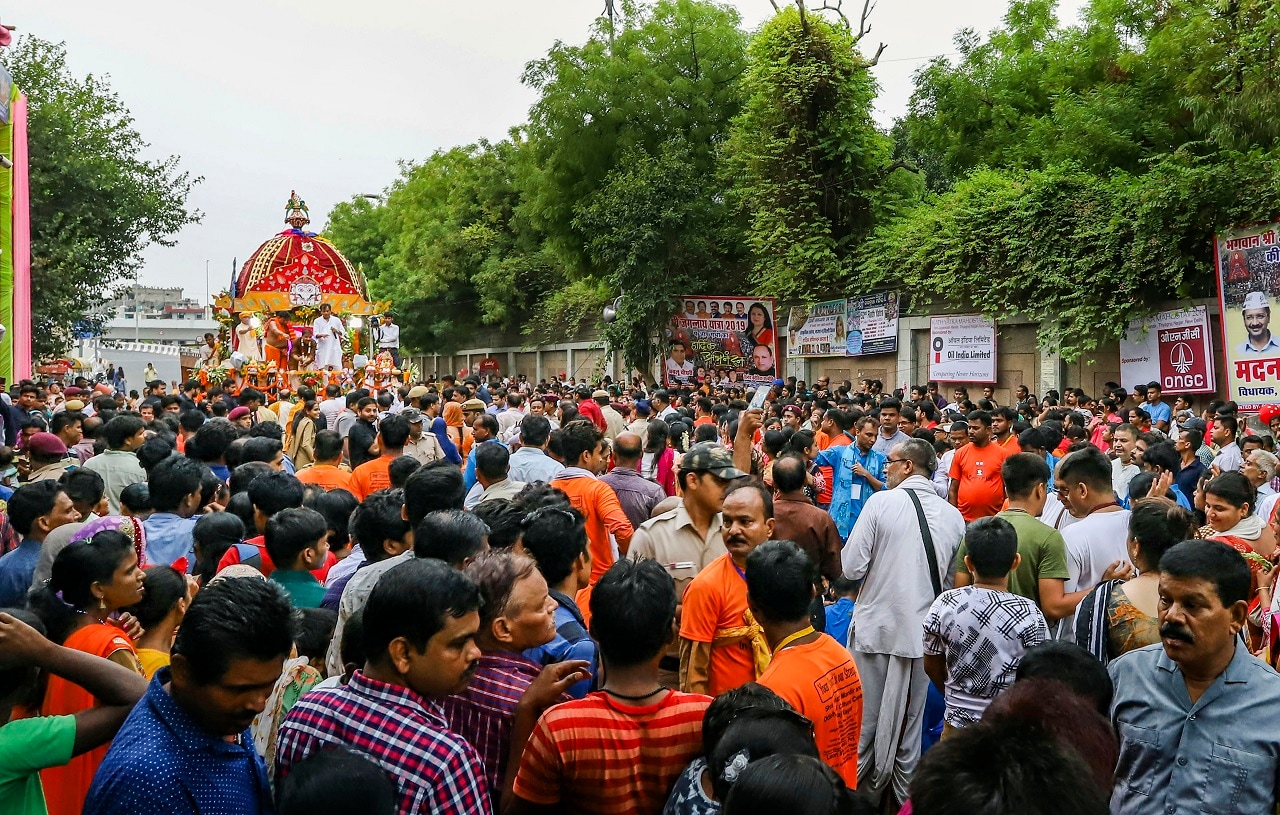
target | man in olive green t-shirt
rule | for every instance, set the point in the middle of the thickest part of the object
(1042, 575)
(28, 746)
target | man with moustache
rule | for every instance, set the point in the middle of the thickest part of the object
(1196, 711)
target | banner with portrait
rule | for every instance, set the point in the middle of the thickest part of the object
(817, 330)
(856, 326)
(730, 340)
(1247, 259)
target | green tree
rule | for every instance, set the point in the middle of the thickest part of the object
(804, 162)
(96, 203)
(1083, 169)
(621, 171)
(446, 246)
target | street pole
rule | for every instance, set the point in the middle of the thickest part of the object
(207, 303)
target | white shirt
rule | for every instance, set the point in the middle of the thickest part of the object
(329, 409)
(941, 477)
(679, 373)
(322, 330)
(887, 548)
(389, 336)
(1093, 544)
(1266, 505)
(1229, 458)
(1055, 513)
(1121, 475)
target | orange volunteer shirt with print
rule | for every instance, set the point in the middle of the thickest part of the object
(981, 492)
(716, 600)
(323, 475)
(370, 477)
(820, 680)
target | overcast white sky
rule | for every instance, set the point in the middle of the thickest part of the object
(263, 96)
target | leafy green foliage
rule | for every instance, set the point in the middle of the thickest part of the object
(804, 159)
(96, 204)
(1082, 170)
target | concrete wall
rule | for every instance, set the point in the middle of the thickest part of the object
(1019, 361)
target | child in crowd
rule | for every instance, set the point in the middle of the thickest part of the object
(693, 791)
(975, 636)
(297, 541)
(165, 596)
(840, 612)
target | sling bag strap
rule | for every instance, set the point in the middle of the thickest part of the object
(927, 536)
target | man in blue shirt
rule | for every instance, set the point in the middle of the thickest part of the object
(556, 538)
(859, 471)
(1196, 711)
(485, 431)
(531, 463)
(1159, 412)
(175, 487)
(35, 510)
(186, 747)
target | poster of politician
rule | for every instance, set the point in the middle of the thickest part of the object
(1172, 348)
(730, 340)
(853, 327)
(1248, 264)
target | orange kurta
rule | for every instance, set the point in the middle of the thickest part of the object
(65, 787)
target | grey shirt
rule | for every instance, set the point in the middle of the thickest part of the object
(1219, 754)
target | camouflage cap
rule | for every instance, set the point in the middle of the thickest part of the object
(709, 457)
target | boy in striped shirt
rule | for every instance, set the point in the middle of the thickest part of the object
(619, 750)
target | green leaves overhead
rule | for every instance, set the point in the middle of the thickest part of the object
(1083, 169)
(96, 204)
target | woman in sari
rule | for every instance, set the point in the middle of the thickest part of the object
(440, 430)
(92, 580)
(658, 461)
(302, 437)
(455, 430)
(1119, 616)
(165, 597)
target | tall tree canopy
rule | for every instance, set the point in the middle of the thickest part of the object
(1082, 169)
(96, 203)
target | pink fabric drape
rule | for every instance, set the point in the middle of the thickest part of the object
(20, 331)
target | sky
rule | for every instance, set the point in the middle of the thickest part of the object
(260, 97)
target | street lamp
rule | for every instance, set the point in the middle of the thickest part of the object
(372, 196)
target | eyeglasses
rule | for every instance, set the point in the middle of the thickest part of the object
(889, 461)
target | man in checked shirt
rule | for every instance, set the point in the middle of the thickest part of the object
(420, 629)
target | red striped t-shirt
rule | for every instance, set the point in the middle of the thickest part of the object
(600, 755)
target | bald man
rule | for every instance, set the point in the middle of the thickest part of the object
(637, 494)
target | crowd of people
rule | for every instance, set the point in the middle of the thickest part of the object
(471, 596)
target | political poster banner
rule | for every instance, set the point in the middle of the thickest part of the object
(1248, 263)
(818, 330)
(731, 340)
(1171, 348)
(962, 348)
(872, 323)
(856, 326)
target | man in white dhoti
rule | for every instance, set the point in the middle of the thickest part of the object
(246, 337)
(887, 550)
(327, 330)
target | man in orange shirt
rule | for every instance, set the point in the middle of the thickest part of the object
(722, 646)
(325, 472)
(586, 456)
(810, 670)
(1002, 419)
(977, 489)
(373, 475)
